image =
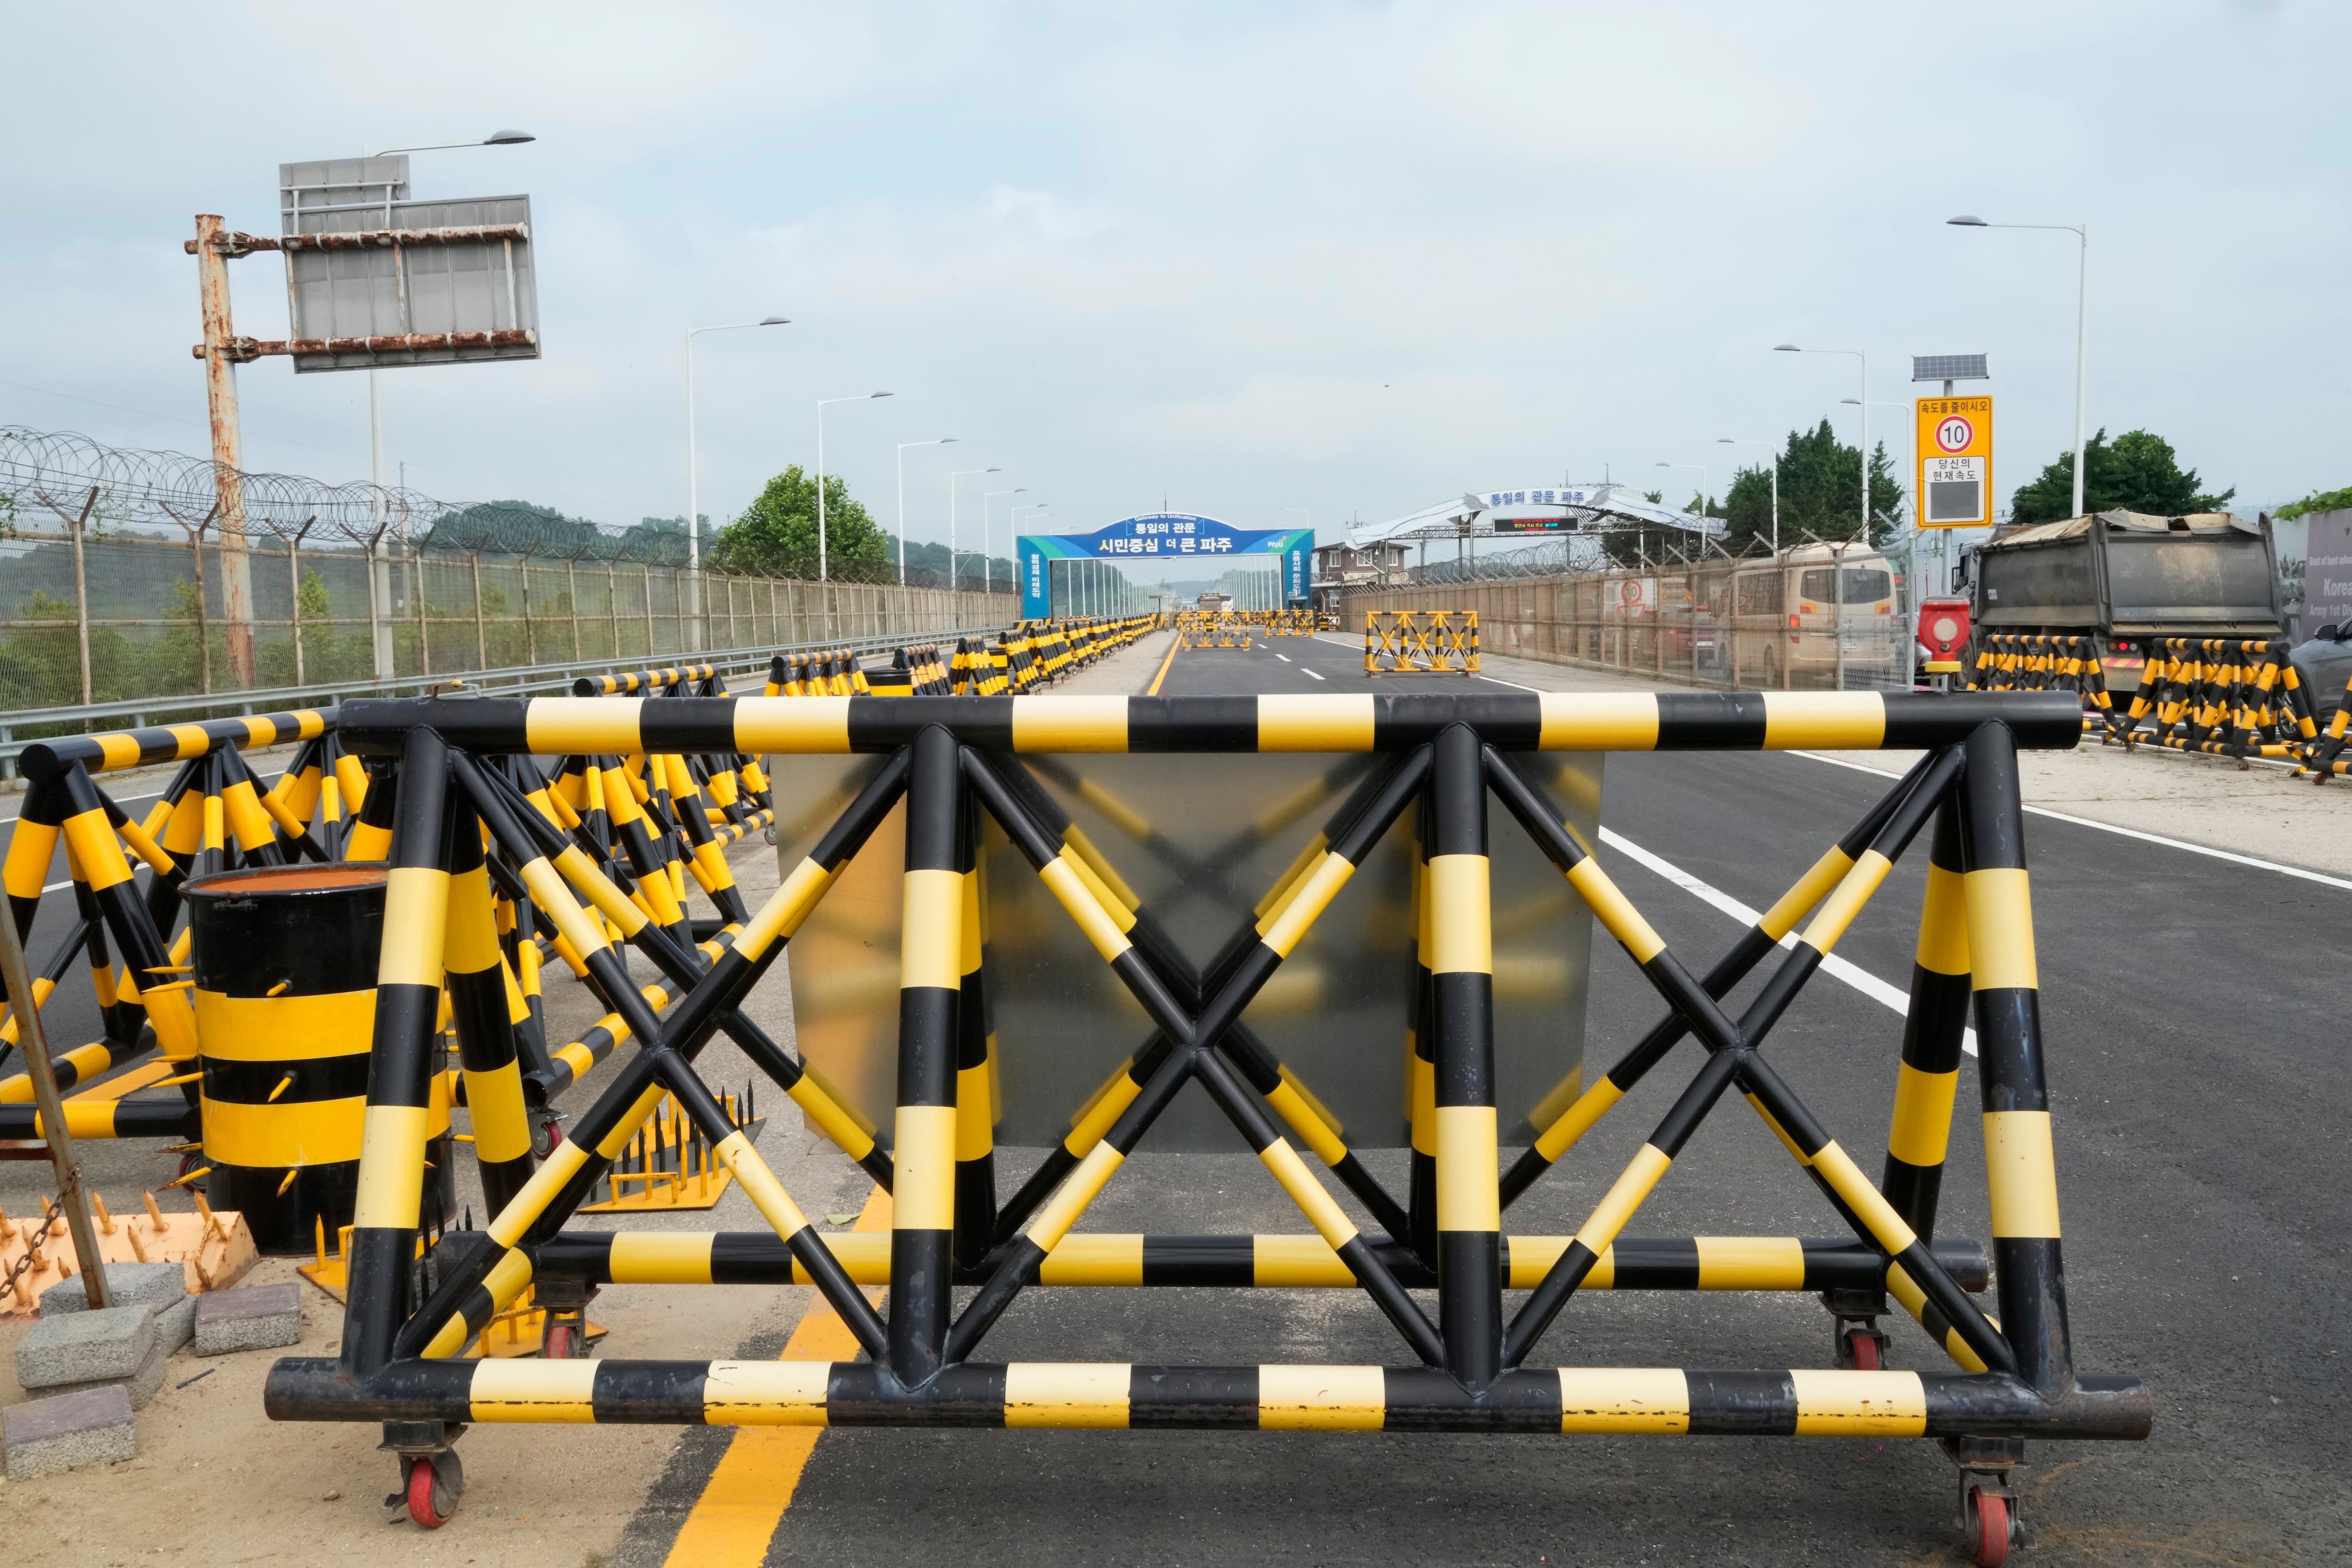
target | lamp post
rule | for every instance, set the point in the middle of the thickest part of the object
(693, 475)
(823, 568)
(1865, 360)
(959, 474)
(2082, 232)
(942, 441)
(1911, 559)
(1702, 490)
(375, 395)
(1774, 469)
(987, 566)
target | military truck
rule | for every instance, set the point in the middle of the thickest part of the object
(2125, 578)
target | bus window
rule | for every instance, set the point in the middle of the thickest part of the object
(1863, 585)
(1760, 593)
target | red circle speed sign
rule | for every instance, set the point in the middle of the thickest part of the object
(1955, 434)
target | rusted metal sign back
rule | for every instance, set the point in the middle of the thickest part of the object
(388, 280)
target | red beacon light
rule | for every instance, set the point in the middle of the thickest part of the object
(1943, 632)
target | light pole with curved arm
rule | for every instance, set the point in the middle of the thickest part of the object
(822, 569)
(2082, 232)
(1865, 360)
(942, 441)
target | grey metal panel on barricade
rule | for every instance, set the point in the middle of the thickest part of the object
(1336, 1012)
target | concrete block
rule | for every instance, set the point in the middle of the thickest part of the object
(86, 1347)
(259, 1317)
(66, 1431)
(141, 1386)
(161, 1285)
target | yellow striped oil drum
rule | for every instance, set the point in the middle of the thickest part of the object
(284, 960)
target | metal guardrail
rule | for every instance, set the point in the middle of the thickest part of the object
(511, 679)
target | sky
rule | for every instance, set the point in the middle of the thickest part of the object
(1270, 263)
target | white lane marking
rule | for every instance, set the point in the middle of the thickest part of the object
(1308, 669)
(1283, 657)
(2127, 832)
(1853, 974)
(1512, 684)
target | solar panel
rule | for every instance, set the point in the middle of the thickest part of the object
(1949, 367)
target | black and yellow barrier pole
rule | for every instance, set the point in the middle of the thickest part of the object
(923, 1188)
(1935, 1028)
(409, 972)
(1754, 945)
(976, 1071)
(2020, 1169)
(476, 1286)
(1462, 988)
(483, 1013)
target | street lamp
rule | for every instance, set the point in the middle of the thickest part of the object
(988, 565)
(1702, 490)
(1859, 354)
(2082, 232)
(693, 507)
(1774, 469)
(822, 569)
(942, 441)
(959, 474)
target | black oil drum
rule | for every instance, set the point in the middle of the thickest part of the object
(285, 967)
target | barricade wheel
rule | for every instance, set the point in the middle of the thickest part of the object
(1985, 1526)
(552, 1131)
(435, 1484)
(561, 1343)
(1861, 1350)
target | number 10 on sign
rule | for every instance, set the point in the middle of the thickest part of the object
(1954, 448)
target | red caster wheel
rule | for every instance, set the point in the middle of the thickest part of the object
(1861, 1348)
(432, 1488)
(1985, 1526)
(561, 1342)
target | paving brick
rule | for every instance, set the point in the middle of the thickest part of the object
(140, 1384)
(259, 1317)
(66, 1431)
(86, 1347)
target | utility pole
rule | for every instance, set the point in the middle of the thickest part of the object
(33, 1042)
(222, 351)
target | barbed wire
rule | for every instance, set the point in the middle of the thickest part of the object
(63, 481)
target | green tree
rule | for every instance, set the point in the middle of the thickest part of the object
(2137, 473)
(1820, 491)
(776, 534)
(2317, 500)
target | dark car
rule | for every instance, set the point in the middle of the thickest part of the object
(2324, 665)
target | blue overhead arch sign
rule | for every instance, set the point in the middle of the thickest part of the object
(1157, 537)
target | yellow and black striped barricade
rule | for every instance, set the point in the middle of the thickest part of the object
(2226, 697)
(1439, 761)
(2325, 757)
(1431, 641)
(285, 968)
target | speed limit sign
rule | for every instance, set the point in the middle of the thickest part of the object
(1954, 448)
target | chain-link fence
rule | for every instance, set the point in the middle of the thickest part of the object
(119, 579)
(1822, 617)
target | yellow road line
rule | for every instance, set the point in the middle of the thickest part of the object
(745, 1500)
(1174, 643)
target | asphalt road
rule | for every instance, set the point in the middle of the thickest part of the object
(2194, 1012)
